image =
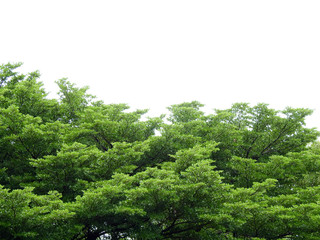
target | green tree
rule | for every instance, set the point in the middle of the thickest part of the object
(79, 169)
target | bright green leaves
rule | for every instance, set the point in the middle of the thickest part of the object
(99, 203)
(27, 93)
(294, 171)
(24, 215)
(76, 165)
(7, 75)
(185, 112)
(174, 201)
(245, 171)
(267, 132)
(186, 157)
(14, 210)
(68, 171)
(158, 202)
(285, 206)
(30, 132)
(105, 124)
(24, 137)
(256, 214)
(122, 158)
(73, 100)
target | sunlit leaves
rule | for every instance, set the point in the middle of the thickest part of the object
(24, 215)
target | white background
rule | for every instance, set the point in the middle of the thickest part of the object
(151, 54)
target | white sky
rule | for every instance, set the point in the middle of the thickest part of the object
(151, 54)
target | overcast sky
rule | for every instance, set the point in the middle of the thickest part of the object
(151, 54)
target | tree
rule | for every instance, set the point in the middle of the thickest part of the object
(79, 169)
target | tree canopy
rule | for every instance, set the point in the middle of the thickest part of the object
(79, 169)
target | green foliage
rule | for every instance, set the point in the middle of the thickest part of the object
(73, 100)
(77, 169)
(25, 137)
(24, 215)
(7, 75)
(266, 132)
(185, 112)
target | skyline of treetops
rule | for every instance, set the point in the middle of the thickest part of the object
(76, 168)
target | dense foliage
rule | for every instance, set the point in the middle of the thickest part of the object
(80, 169)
